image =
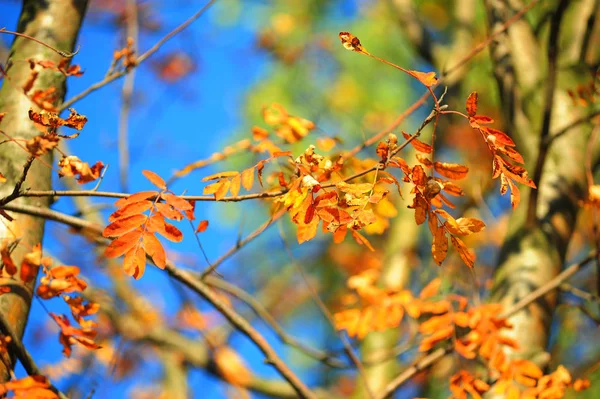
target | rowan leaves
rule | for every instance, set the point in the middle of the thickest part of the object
(500, 145)
(134, 231)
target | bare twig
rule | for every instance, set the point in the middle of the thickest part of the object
(322, 356)
(17, 189)
(65, 54)
(240, 243)
(317, 299)
(116, 75)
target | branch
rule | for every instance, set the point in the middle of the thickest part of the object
(195, 285)
(16, 346)
(65, 54)
(322, 356)
(242, 243)
(242, 325)
(116, 75)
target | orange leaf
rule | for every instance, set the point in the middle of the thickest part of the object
(463, 251)
(202, 226)
(155, 250)
(124, 225)
(168, 211)
(431, 289)
(123, 244)
(170, 232)
(155, 179)
(418, 144)
(231, 367)
(362, 240)
(419, 177)
(248, 178)
(134, 262)
(472, 104)
(439, 247)
(9, 265)
(480, 119)
(137, 197)
(464, 226)
(428, 79)
(176, 202)
(133, 208)
(30, 264)
(451, 170)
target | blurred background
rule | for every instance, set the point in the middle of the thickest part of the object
(204, 90)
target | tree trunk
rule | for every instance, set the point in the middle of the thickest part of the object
(534, 250)
(56, 23)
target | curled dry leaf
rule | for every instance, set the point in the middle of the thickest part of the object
(52, 120)
(351, 42)
(73, 166)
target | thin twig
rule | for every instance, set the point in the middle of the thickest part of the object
(322, 356)
(116, 75)
(323, 308)
(17, 189)
(65, 54)
(566, 129)
(240, 243)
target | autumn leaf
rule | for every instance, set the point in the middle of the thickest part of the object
(155, 250)
(248, 178)
(351, 42)
(463, 251)
(30, 264)
(428, 79)
(231, 367)
(134, 263)
(124, 225)
(133, 208)
(177, 202)
(439, 247)
(451, 170)
(155, 179)
(202, 226)
(73, 166)
(123, 244)
(472, 104)
(52, 120)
